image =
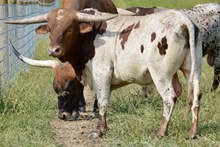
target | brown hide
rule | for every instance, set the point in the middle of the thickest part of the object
(63, 74)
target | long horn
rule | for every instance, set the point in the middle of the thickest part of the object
(39, 63)
(32, 20)
(98, 16)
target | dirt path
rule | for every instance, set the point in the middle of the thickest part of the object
(75, 133)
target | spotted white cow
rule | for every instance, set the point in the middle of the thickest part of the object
(130, 49)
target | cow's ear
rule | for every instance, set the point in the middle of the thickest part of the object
(85, 28)
(42, 29)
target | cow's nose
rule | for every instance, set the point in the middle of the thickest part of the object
(54, 51)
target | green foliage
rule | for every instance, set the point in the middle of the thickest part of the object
(160, 3)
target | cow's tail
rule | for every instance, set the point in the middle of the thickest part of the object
(195, 43)
(194, 93)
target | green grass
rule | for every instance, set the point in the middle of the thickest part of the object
(29, 104)
(27, 107)
(134, 121)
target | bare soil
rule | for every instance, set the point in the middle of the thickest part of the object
(75, 133)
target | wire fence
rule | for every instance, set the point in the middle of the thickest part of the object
(22, 36)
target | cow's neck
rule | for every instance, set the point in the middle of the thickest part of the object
(86, 41)
(85, 49)
(74, 60)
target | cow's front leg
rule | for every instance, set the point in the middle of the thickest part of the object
(103, 100)
(102, 88)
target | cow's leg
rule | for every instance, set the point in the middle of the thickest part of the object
(96, 108)
(61, 104)
(165, 86)
(216, 71)
(65, 107)
(102, 90)
(103, 95)
(194, 89)
(169, 93)
(194, 97)
(194, 94)
(82, 102)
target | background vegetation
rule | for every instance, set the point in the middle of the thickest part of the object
(29, 104)
(161, 3)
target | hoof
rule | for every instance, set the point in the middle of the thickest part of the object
(195, 136)
(162, 135)
(95, 113)
(74, 117)
(94, 134)
(64, 115)
(82, 109)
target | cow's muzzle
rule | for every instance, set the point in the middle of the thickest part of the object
(55, 52)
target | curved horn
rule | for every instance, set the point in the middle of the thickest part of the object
(32, 20)
(98, 16)
(39, 63)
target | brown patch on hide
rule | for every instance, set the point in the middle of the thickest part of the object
(142, 48)
(153, 36)
(126, 32)
(162, 46)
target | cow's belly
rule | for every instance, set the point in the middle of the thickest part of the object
(127, 74)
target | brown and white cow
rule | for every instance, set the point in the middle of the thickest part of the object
(67, 104)
(130, 49)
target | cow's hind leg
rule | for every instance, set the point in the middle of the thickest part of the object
(165, 86)
(194, 94)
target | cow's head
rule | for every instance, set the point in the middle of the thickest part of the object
(63, 26)
(64, 73)
(65, 84)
